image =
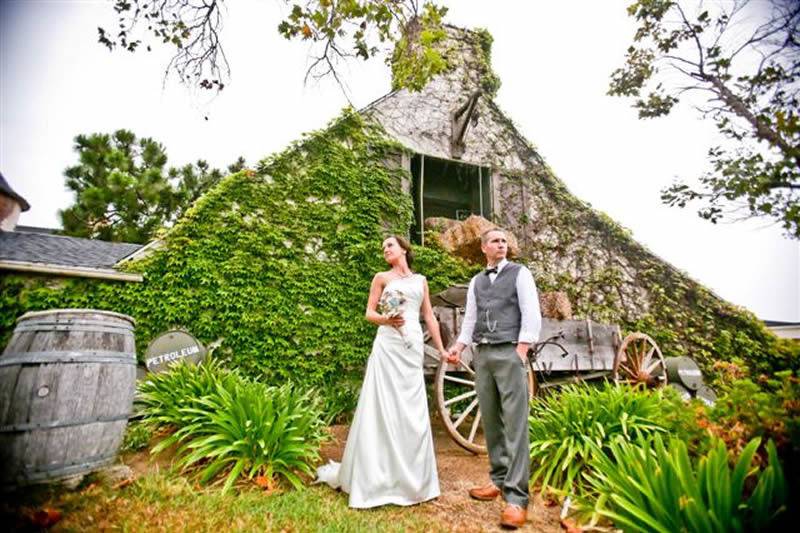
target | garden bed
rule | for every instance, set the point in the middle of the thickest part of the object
(161, 500)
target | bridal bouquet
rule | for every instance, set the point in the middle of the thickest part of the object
(393, 304)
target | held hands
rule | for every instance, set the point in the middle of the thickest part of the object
(453, 355)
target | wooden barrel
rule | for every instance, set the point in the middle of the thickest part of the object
(67, 379)
(685, 371)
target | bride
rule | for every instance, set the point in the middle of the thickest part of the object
(389, 458)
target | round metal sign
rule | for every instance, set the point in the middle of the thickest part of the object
(685, 371)
(171, 347)
(683, 392)
(707, 394)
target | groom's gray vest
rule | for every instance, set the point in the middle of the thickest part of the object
(498, 318)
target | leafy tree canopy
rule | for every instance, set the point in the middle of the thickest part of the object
(337, 29)
(743, 58)
(124, 190)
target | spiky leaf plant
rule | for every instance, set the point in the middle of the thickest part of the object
(649, 486)
(164, 396)
(253, 430)
(563, 425)
(231, 427)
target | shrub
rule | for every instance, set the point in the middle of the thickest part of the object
(252, 430)
(226, 423)
(769, 409)
(683, 420)
(165, 397)
(340, 398)
(137, 436)
(647, 486)
(564, 425)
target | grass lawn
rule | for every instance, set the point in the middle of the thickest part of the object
(163, 501)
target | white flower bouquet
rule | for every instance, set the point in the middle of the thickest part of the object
(393, 304)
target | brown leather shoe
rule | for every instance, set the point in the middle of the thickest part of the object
(513, 516)
(486, 493)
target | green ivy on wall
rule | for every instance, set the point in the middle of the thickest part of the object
(274, 264)
(489, 81)
(645, 293)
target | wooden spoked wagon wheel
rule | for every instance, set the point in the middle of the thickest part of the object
(457, 402)
(639, 362)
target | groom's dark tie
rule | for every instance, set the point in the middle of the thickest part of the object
(492, 270)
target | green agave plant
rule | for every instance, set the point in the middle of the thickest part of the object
(647, 486)
(164, 396)
(227, 423)
(251, 430)
(563, 425)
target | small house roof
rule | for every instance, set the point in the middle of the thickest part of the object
(62, 250)
(35, 229)
(779, 323)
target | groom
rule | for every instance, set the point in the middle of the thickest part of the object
(503, 318)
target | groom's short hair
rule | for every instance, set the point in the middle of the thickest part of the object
(485, 234)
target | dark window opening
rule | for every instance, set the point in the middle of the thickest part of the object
(448, 189)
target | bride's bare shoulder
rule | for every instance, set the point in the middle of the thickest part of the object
(382, 278)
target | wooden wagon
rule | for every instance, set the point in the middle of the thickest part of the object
(569, 351)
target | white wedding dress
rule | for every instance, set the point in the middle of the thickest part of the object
(389, 458)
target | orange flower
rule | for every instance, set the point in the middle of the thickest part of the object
(266, 483)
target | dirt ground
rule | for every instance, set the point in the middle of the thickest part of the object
(460, 470)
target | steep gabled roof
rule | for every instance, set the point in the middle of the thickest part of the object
(422, 121)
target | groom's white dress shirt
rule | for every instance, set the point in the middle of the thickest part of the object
(531, 319)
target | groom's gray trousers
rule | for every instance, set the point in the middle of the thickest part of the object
(502, 385)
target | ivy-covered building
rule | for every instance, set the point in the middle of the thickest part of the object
(273, 265)
(463, 156)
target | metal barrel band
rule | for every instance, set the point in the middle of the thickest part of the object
(68, 356)
(48, 313)
(62, 470)
(78, 322)
(17, 428)
(69, 327)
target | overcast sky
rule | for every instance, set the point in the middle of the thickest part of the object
(553, 57)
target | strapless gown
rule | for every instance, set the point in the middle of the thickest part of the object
(389, 457)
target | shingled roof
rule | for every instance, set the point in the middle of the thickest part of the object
(61, 250)
(76, 256)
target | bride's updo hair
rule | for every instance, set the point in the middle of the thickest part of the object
(405, 245)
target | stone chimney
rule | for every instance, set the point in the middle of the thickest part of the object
(11, 205)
